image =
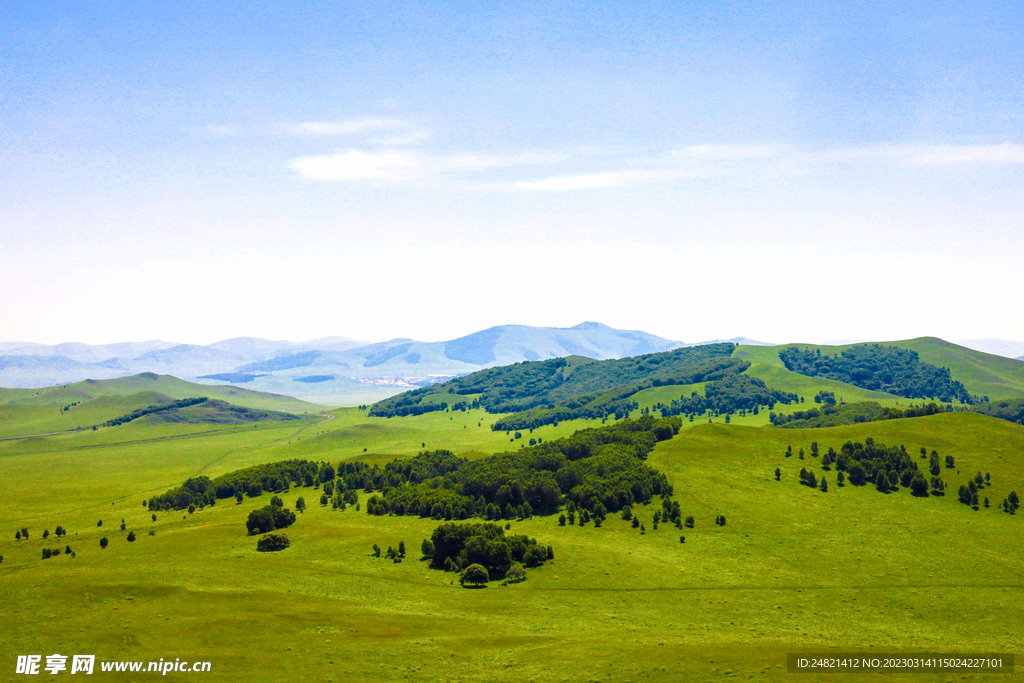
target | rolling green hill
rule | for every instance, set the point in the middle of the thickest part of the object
(983, 374)
(93, 402)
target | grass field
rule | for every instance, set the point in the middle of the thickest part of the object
(982, 373)
(794, 569)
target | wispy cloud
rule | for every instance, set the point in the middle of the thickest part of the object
(396, 159)
(401, 165)
(945, 155)
(349, 127)
(356, 164)
(923, 154)
(725, 152)
(571, 182)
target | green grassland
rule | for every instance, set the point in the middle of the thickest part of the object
(794, 569)
(92, 402)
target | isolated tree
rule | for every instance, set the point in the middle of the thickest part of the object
(401, 548)
(427, 548)
(840, 478)
(276, 501)
(814, 449)
(474, 575)
(376, 550)
(17, 535)
(67, 549)
(104, 542)
(824, 485)
(561, 520)
(689, 522)
(46, 533)
(300, 504)
(239, 496)
(627, 513)
(636, 522)
(778, 474)
(551, 553)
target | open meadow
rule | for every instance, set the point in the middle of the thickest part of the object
(793, 569)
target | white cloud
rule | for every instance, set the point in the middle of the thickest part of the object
(924, 154)
(400, 165)
(357, 164)
(571, 182)
(350, 127)
(473, 161)
(725, 152)
(944, 155)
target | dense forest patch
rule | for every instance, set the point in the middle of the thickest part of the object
(550, 391)
(252, 481)
(454, 547)
(1012, 410)
(731, 394)
(599, 470)
(879, 368)
(833, 415)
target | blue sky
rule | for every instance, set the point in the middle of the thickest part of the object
(784, 171)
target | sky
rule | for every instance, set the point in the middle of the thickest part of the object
(783, 171)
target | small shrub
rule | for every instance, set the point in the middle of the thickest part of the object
(272, 543)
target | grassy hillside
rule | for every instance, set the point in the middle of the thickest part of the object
(92, 402)
(793, 569)
(983, 373)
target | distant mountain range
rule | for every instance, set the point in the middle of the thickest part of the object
(338, 370)
(334, 369)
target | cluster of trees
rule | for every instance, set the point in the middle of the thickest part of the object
(408, 403)
(879, 368)
(808, 478)
(826, 397)
(394, 554)
(599, 466)
(272, 543)
(831, 415)
(149, 410)
(888, 468)
(269, 518)
(275, 477)
(550, 391)
(731, 394)
(455, 547)
(968, 494)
